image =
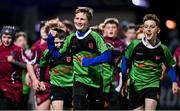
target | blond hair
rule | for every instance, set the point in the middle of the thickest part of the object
(88, 11)
(54, 24)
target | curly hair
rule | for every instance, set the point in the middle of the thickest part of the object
(54, 24)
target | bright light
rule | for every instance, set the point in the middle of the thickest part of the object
(170, 24)
(136, 2)
(141, 3)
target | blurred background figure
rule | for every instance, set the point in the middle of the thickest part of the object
(69, 26)
(139, 31)
(129, 33)
(21, 40)
(177, 66)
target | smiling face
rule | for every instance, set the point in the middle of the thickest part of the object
(150, 29)
(6, 40)
(111, 30)
(81, 21)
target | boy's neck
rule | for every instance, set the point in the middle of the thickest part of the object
(152, 41)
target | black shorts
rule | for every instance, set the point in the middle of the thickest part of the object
(62, 93)
(138, 97)
(86, 97)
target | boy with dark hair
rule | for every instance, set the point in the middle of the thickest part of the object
(61, 77)
(146, 57)
(10, 70)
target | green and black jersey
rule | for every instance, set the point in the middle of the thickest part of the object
(60, 69)
(91, 45)
(146, 63)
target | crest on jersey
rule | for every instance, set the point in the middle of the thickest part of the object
(68, 59)
(157, 57)
(91, 45)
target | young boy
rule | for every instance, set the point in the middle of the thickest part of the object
(42, 100)
(10, 70)
(83, 43)
(61, 77)
(21, 41)
(146, 57)
(117, 46)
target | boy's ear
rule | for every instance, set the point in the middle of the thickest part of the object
(159, 30)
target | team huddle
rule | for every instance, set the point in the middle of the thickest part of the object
(88, 69)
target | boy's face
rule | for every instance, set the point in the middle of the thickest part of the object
(131, 34)
(110, 30)
(150, 29)
(58, 42)
(21, 41)
(6, 40)
(43, 33)
(81, 21)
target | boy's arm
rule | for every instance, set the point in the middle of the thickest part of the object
(52, 49)
(104, 57)
(169, 63)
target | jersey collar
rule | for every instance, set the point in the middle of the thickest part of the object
(83, 36)
(148, 45)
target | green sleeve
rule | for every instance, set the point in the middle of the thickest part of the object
(107, 74)
(130, 48)
(66, 43)
(101, 45)
(168, 60)
(128, 52)
(43, 62)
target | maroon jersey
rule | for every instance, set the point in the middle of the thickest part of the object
(10, 74)
(118, 47)
(177, 66)
(38, 50)
(117, 43)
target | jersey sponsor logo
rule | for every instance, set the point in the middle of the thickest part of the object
(139, 53)
(68, 59)
(73, 46)
(91, 45)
